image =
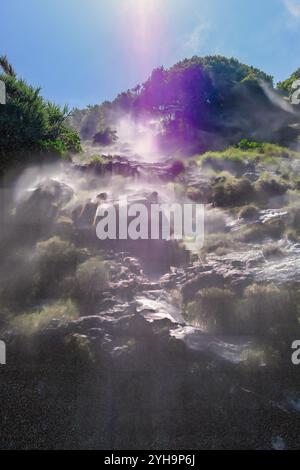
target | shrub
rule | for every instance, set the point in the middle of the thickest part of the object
(292, 235)
(231, 191)
(61, 313)
(213, 309)
(231, 160)
(79, 350)
(91, 280)
(56, 259)
(199, 194)
(268, 309)
(32, 127)
(246, 144)
(98, 160)
(56, 254)
(272, 252)
(257, 232)
(219, 242)
(248, 213)
(269, 187)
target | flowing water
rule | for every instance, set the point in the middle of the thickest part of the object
(146, 288)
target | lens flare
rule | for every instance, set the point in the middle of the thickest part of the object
(143, 30)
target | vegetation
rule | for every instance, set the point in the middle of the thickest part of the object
(258, 232)
(269, 309)
(231, 191)
(267, 187)
(286, 85)
(248, 212)
(235, 158)
(31, 127)
(59, 313)
(263, 309)
(212, 309)
(56, 258)
(57, 276)
(91, 281)
(231, 160)
(272, 252)
(203, 102)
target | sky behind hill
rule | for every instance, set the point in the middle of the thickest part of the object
(85, 51)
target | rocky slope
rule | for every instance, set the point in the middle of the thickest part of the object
(141, 361)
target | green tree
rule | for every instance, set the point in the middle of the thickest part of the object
(286, 85)
(30, 126)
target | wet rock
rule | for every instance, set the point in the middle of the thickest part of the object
(86, 323)
(84, 215)
(132, 264)
(119, 351)
(134, 325)
(38, 207)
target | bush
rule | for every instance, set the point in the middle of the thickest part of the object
(257, 232)
(246, 144)
(231, 160)
(248, 213)
(292, 235)
(231, 191)
(272, 252)
(58, 254)
(56, 260)
(270, 187)
(59, 313)
(269, 310)
(91, 280)
(31, 126)
(199, 194)
(264, 310)
(79, 350)
(213, 309)
(98, 160)
(219, 243)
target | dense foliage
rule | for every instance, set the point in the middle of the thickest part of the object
(30, 126)
(286, 85)
(209, 101)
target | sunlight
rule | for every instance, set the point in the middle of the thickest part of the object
(143, 28)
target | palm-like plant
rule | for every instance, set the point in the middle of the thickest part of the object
(7, 67)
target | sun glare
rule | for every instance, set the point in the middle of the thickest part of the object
(143, 29)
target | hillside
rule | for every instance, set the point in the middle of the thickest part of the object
(138, 341)
(202, 103)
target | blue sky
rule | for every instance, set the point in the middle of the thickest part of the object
(85, 51)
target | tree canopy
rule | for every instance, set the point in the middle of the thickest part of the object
(203, 100)
(31, 126)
